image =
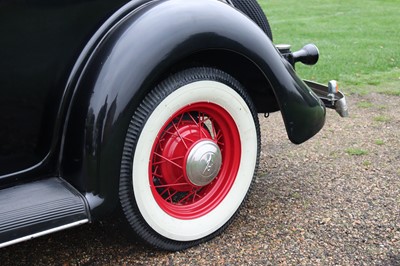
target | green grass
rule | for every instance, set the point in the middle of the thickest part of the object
(379, 142)
(358, 40)
(356, 152)
(381, 118)
(366, 163)
(364, 104)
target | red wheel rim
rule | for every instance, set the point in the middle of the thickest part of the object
(170, 185)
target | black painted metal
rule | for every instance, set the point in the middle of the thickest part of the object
(307, 55)
(39, 206)
(73, 75)
(40, 42)
(136, 54)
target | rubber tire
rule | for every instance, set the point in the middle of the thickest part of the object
(135, 133)
(254, 11)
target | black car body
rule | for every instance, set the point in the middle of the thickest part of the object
(75, 75)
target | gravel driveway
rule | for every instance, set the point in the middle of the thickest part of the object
(334, 200)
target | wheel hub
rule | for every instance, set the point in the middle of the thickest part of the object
(195, 160)
(203, 163)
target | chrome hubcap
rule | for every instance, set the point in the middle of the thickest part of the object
(203, 163)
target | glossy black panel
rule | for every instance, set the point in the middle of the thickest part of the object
(61, 64)
(132, 59)
(39, 44)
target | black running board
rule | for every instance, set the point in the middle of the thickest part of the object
(38, 208)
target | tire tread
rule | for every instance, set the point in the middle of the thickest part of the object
(126, 194)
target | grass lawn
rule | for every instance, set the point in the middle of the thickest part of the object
(359, 40)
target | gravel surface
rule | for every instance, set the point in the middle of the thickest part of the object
(315, 204)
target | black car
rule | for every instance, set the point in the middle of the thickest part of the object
(150, 106)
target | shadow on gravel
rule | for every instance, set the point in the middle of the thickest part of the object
(393, 260)
(92, 244)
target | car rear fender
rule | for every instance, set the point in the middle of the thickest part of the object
(135, 54)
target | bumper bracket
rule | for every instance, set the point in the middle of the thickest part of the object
(332, 99)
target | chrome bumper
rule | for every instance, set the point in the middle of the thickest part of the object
(332, 99)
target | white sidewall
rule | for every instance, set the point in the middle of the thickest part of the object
(188, 230)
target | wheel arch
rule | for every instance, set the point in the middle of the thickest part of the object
(241, 68)
(138, 52)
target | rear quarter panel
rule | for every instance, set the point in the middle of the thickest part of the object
(40, 41)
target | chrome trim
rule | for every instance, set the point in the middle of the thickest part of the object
(203, 163)
(283, 47)
(341, 107)
(29, 237)
(331, 100)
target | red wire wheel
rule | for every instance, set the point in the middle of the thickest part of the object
(195, 160)
(189, 158)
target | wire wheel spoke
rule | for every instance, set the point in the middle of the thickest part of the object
(174, 161)
(186, 199)
(176, 127)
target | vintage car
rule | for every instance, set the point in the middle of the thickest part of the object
(145, 106)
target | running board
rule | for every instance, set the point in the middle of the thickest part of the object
(38, 208)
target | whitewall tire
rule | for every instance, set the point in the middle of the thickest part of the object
(190, 155)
